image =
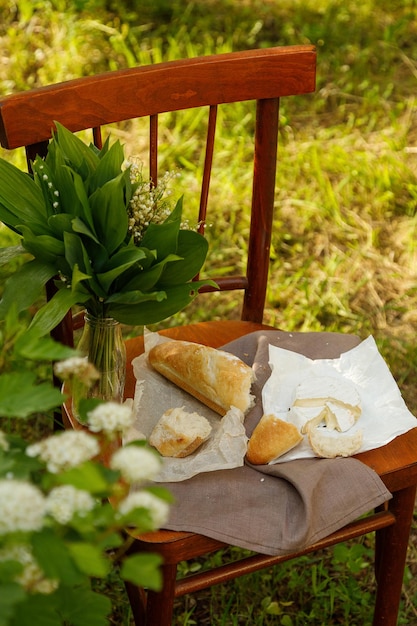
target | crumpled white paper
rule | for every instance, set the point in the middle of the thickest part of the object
(384, 412)
(154, 394)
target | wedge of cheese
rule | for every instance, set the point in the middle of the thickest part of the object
(333, 401)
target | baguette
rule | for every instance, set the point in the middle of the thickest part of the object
(216, 378)
(271, 439)
(178, 433)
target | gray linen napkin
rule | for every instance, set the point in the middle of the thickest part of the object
(276, 509)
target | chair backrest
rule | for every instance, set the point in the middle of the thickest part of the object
(27, 119)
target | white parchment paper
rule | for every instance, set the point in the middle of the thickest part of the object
(226, 447)
(384, 412)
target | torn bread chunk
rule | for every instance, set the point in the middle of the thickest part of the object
(179, 433)
(271, 438)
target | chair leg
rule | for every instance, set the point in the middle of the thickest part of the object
(390, 555)
(154, 608)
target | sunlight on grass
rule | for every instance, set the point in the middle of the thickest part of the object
(344, 252)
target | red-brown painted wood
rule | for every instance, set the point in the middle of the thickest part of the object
(88, 102)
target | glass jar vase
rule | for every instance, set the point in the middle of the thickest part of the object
(102, 344)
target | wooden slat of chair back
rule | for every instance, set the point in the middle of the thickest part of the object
(89, 102)
(27, 119)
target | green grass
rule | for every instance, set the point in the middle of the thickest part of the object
(344, 255)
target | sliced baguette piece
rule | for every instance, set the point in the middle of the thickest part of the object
(179, 433)
(271, 438)
(216, 378)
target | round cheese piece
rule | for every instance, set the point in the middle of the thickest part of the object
(330, 444)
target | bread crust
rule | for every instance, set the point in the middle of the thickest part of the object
(216, 378)
(271, 439)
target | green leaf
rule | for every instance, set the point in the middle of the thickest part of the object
(123, 260)
(21, 395)
(44, 247)
(69, 202)
(21, 200)
(39, 605)
(130, 298)
(54, 557)
(11, 595)
(76, 254)
(25, 286)
(81, 227)
(88, 476)
(128, 255)
(89, 559)
(109, 166)
(59, 224)
(151, 312)
(75, 151)
(16, 462)
(164, 237)
(45, 348)
(108, 205)
(85, 212)
(83, 607)
(143, 570)
(55, 310)
(147, 279)
(192, 248)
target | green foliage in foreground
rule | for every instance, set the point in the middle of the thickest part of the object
(58, 530)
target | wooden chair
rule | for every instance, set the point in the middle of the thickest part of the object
(263, 76)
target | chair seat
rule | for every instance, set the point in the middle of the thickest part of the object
(395, 462)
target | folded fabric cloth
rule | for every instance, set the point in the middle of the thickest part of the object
(276, 509)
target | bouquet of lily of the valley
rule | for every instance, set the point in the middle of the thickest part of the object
(74, 216)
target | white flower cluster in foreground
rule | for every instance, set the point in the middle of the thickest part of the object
(136, 464)
(65, 501)
(76, 368)
(158, 509)
(23, 506)
(65, 450)
(111, 418)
